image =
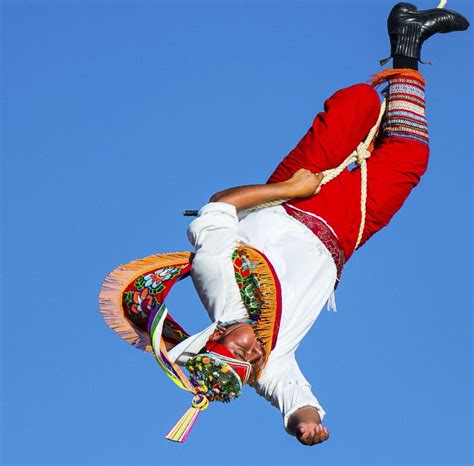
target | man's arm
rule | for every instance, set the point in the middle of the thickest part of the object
(283, 384)
(214, 235)
(302, 184)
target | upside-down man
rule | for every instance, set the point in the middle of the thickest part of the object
(306, 241)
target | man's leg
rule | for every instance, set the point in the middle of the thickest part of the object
(348, 116)
(400, 156)
(398, 161)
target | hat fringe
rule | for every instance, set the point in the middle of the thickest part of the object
(111, 293)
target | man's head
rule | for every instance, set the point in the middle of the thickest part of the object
(240, 339)
(231, 357)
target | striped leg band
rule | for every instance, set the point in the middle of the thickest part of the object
(405, 114)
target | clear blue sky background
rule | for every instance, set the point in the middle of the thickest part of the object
(118, 115)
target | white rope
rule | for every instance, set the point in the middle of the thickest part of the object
(442, 3)
(359, 156)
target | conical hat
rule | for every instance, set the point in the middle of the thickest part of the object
(132, 303)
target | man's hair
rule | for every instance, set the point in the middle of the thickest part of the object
(228, 323)
(223, 326)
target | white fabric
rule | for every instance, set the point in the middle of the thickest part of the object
(191, 346)
(307, 275)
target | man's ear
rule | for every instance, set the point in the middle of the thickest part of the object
(218, 333)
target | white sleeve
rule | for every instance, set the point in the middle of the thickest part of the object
(215, 228)
(284, 385)
(214, 235)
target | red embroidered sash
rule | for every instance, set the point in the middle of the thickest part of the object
(323, 232)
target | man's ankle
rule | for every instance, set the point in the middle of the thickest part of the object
(400, 61)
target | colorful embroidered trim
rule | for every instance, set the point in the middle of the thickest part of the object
(133, 291)
(260, 291)
(405, 116)
(324, 233)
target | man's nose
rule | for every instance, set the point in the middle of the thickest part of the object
(256, 353)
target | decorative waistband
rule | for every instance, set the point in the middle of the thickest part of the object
(323, 232)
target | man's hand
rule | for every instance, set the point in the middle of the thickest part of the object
(304, 183)
(311, 433)
(305, 423)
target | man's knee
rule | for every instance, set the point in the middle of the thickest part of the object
(359, 98)
(368, 94)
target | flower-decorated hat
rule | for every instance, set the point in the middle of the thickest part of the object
(217, 373)
(242, 368)
(132, 303)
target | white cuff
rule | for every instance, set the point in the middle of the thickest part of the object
(218, 207)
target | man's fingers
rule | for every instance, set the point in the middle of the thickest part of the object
(324, 435)
(305, 434)
(312, 434)
(318, 177)
(305, 183)
(320, 435)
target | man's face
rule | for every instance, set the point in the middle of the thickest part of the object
(241, 341)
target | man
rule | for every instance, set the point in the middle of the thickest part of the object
(288, 235)
(301, 245)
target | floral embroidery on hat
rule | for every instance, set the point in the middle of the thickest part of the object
(248, 283)
(214, 379)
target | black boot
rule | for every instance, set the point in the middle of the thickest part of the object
(409, 28)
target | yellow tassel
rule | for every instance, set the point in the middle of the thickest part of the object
(183, 427)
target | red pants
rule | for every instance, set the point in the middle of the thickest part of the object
(394, 168)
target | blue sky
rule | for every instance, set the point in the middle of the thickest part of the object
(118, 115)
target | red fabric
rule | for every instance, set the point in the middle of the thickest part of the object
(394, 168)
(324, 233)
(240, 367)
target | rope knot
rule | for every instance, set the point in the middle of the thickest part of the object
(359, 155)
(362, 153)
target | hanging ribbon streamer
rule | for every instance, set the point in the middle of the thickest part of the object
(181, 430)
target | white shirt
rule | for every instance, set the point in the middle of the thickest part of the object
(307, 275)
